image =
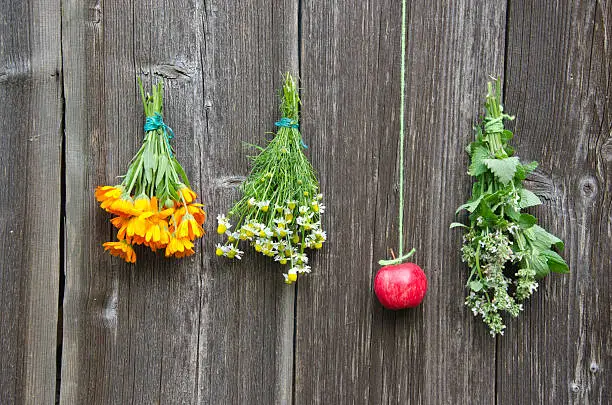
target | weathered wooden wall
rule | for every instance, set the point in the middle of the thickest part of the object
(206, 330)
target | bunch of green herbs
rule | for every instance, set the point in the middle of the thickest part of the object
(505, 249)
(279, 214)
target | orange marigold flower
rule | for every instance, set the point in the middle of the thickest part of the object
(104, 193)
(194, 209)
(184, 253)
(178, 245)
(121, 249)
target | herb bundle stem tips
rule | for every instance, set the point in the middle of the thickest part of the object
(279, 214)
(505, 249)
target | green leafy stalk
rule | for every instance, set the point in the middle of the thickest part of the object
(505, 249)
(279, 213)
(154, 170)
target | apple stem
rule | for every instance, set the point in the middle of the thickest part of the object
(392, 253)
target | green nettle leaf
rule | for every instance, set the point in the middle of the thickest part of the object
(457, 225)
(528, 198)
(504, 169)
(479, 154)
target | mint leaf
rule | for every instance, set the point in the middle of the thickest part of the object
(470, 206)
(555, 262)
(526, 221)
(478, 155)
(528, 198)
(503, 169)
(475, 285)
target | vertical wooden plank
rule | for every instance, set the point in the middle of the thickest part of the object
(349, 350)
(31, 121)
(199, 330)
(246, 334)
(558, 85)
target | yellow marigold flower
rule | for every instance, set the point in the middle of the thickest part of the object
(121, 207)
(177, 244)
(189, 228)
(194, 209)
(136, 226)
(121, 249)
(104, 193)
(184, 253)
(188, 194)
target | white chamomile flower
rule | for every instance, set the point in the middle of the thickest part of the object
(264, 205)
(302, 268)
(303, 209)
(252, 202)
(224, 224)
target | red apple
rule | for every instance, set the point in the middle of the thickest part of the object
(400, 286)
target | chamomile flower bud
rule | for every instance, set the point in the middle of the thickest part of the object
(292, 275)
(219, 250)
(303, 209)
(319, 197)
(289, 279)
(291, 205)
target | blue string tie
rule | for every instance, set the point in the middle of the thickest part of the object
(290, 123)
(155, 122)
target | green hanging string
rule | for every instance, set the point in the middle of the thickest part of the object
(401, 256)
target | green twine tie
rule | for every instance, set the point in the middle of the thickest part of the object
(401, 256)
(155, 122)
(290, 123)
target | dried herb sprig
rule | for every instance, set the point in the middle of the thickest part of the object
(503, 247)
(280, 211)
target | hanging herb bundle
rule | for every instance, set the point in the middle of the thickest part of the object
(503, 247)
(154, 205)
(279, 214)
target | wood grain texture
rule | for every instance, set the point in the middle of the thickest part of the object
(558, 79)
(204, 330)
(350, 350)
(199, 330)
(30, 166)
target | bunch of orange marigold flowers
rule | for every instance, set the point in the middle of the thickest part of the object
(154, 205)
